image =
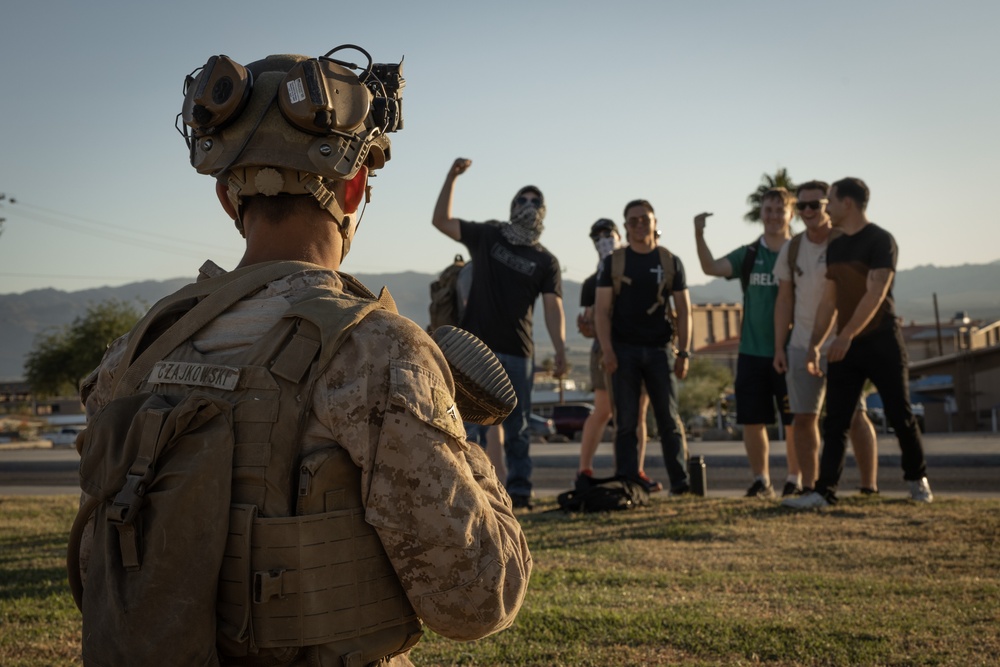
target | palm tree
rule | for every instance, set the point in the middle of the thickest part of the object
(780, 179)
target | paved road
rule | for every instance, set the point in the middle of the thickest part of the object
(967, 465)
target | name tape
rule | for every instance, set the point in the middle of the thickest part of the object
(201, 375)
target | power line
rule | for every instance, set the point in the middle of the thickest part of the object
(79, 277)
(173, 245)
(3, 220)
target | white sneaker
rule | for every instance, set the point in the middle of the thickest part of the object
(920, 491)
(806, 501)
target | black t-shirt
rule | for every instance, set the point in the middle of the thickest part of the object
(630, 323)
(849, 258)
(588, 297)
(506, 281)
(588, 291)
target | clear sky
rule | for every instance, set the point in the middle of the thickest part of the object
(684, 103)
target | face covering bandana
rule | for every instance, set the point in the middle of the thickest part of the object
(605, 246)
(525, 225)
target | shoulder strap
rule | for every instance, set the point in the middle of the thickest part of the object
(664, 288)
(216, 295)
(357, 288)
(331, 319)
(618, 270)
(793, 256)
(747, 268)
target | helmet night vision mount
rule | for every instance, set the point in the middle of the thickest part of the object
(289, 123)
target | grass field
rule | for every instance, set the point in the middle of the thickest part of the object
(683, 582)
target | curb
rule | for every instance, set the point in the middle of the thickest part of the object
(28, 444)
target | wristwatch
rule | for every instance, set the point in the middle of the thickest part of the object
(683, 354)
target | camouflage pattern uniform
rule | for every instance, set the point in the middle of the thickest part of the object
(388, 399)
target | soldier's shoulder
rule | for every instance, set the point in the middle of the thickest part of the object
(396, 336)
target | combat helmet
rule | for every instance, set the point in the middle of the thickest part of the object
(290, 124)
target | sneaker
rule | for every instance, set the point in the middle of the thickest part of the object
(584, 480)
(791, 489)
(651, 485)
(681, 491)
(760, 490)
(868, 491)
(521, 501)
(920, 491)
(806, 501)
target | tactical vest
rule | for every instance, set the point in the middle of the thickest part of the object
(303, 577)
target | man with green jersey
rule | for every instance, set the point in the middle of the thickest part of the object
(758, 385)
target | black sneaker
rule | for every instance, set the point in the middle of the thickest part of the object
(868, 491)
(681, 491)
(791, 489)
(760, 490)
(584, 480)
(521, 501)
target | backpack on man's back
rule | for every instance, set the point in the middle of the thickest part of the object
(446, 304)
(663, 289)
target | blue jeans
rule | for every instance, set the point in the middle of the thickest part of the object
(654, 367)
(517, 437)
(476, 433)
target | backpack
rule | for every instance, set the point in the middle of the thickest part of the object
(793, 255)
(446, 307)
(618, 277)
(793, 252)
(747, 267)
(604, 494)
(211, 533)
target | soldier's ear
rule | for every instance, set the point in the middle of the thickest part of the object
(222, 192)
(354, 191)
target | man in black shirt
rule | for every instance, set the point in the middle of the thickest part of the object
(511, 269)
(860, 266)
(634, 328)
(604, 234)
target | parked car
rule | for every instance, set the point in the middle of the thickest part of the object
(877, 417)
(541, 427)
(569, 418)
(65, 437)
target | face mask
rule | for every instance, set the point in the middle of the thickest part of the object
(605, 246)
(528, 217)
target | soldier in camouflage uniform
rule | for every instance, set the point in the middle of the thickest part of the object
(387, 398)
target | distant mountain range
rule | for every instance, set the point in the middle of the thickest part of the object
(24, 316)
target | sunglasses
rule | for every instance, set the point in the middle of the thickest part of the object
(522, 200)
(814, 205)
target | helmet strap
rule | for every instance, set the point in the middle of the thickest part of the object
(270, 181)
(328, 200)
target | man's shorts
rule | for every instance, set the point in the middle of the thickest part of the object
(758, 388)
(806, 392)
(596, 370)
